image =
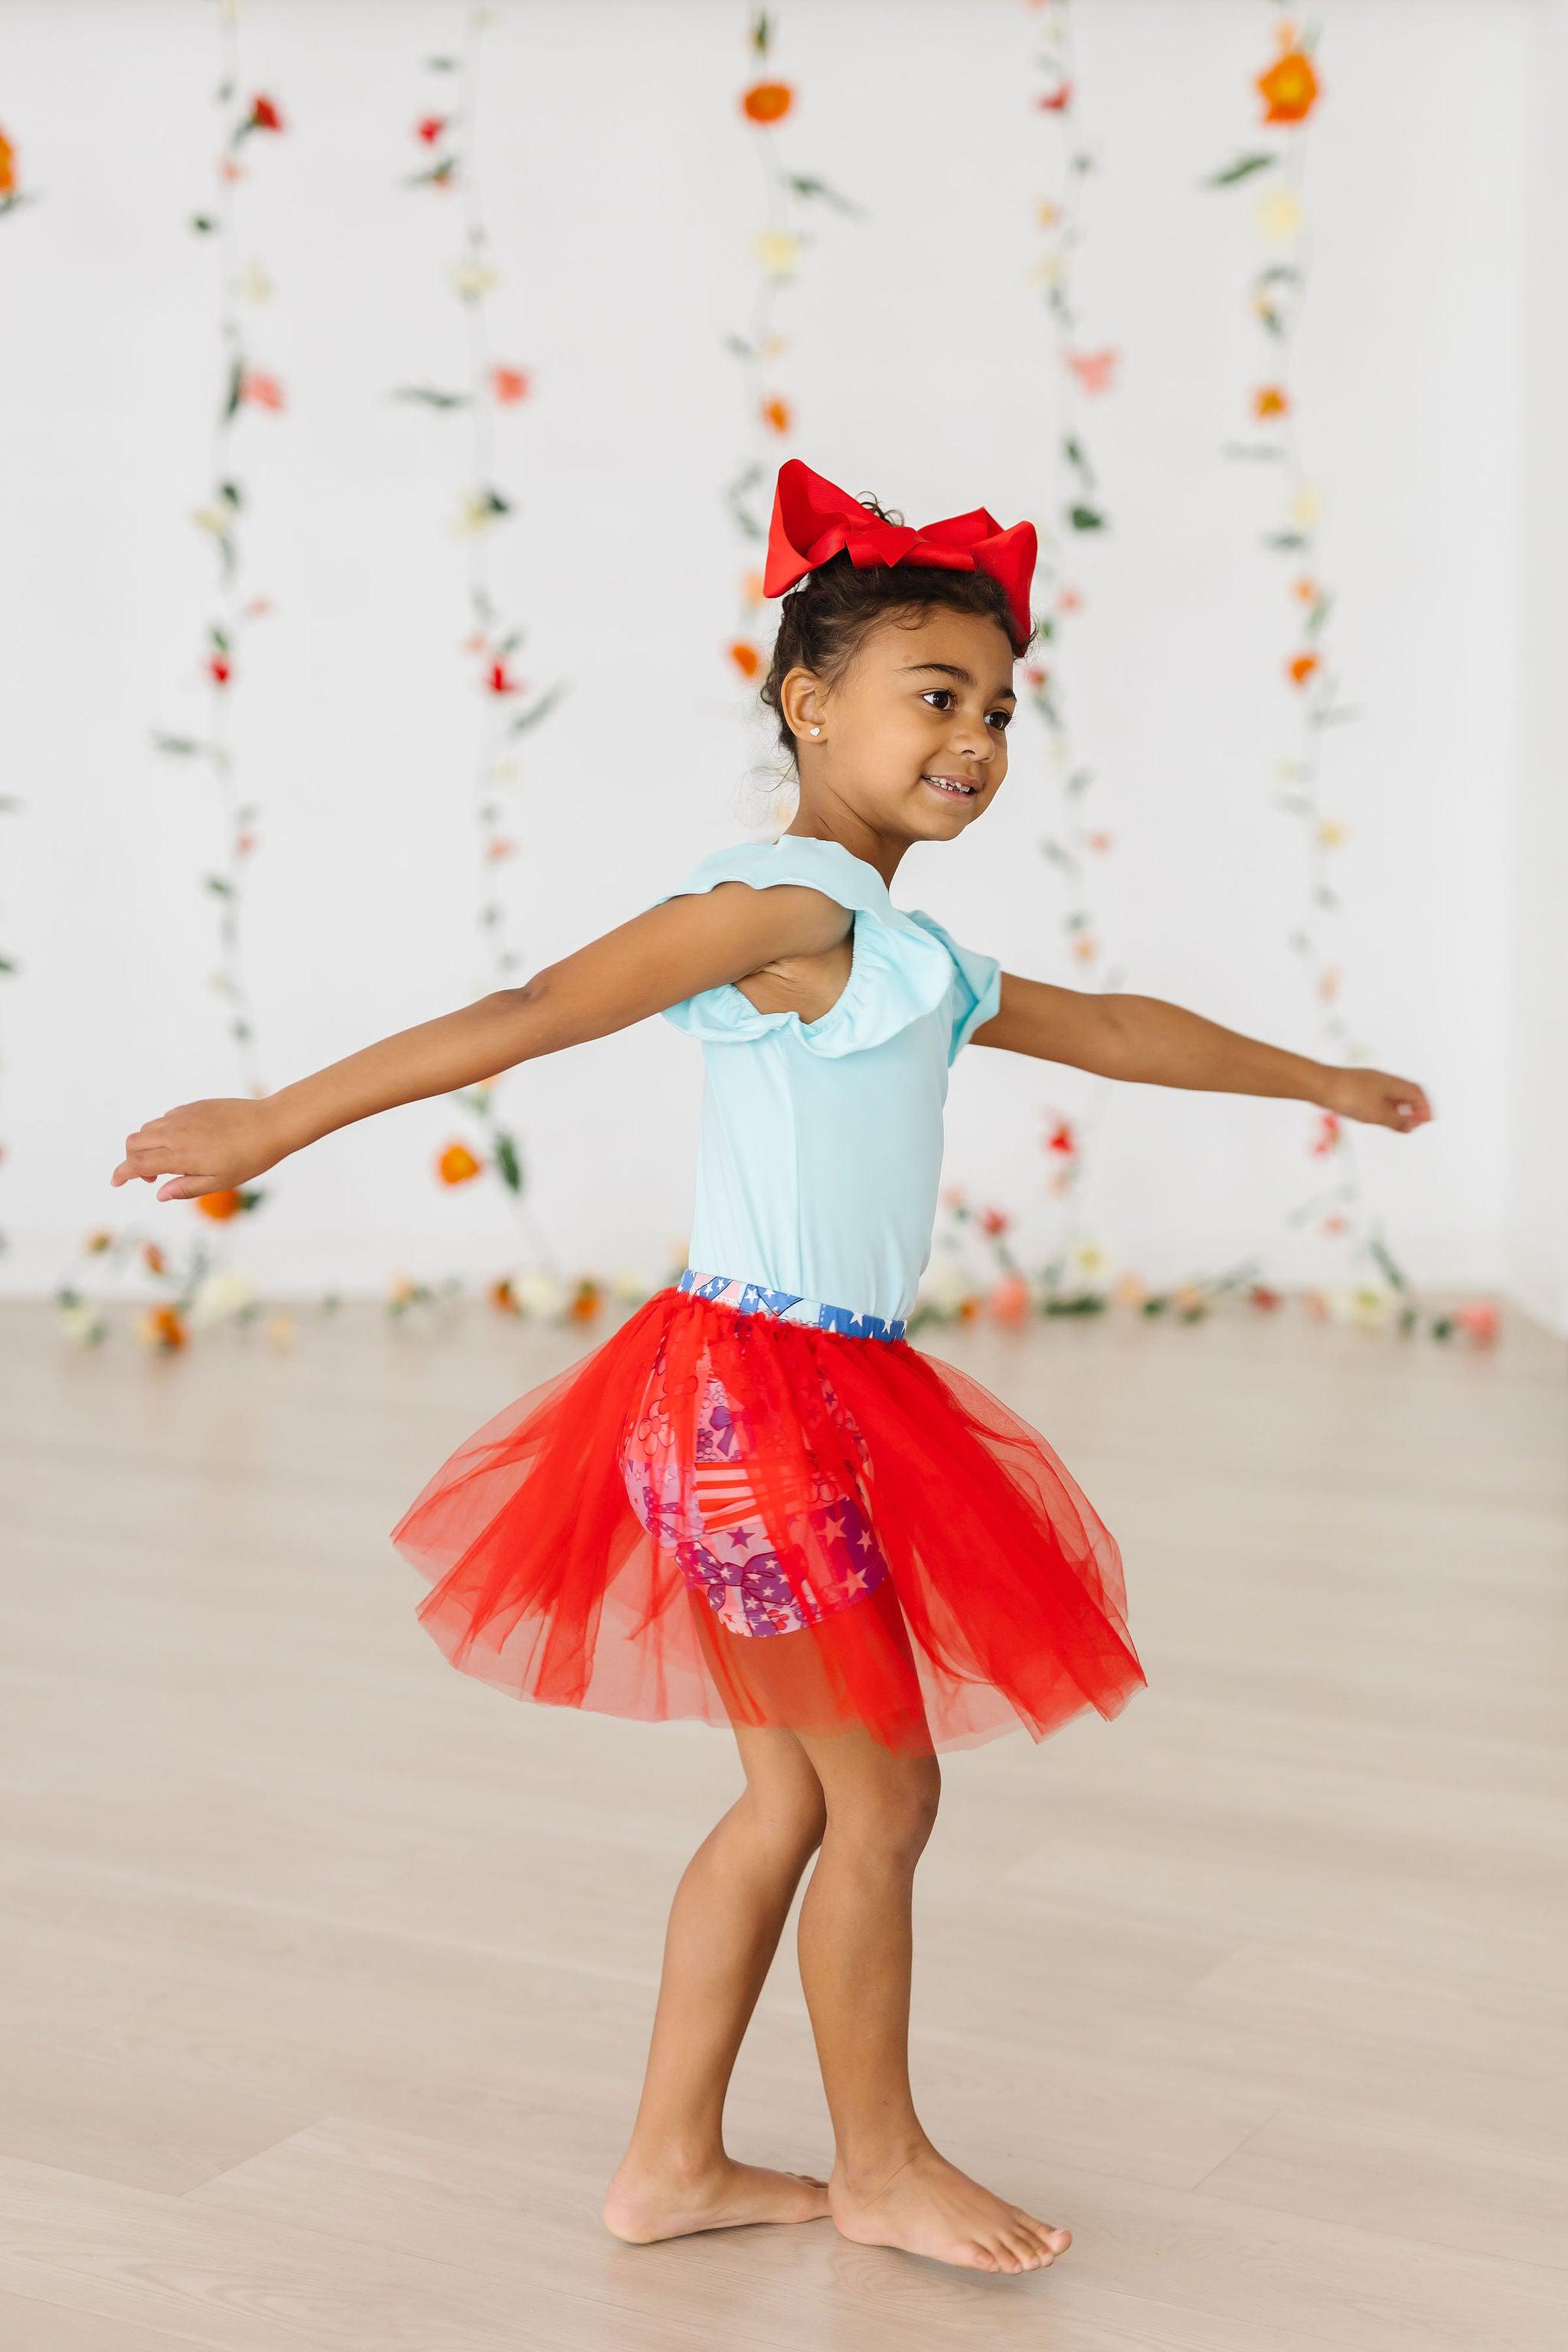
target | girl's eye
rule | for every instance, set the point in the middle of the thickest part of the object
(1004, 719)
(942, 696)
(934, 693)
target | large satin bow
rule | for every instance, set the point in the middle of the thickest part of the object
(813, 519)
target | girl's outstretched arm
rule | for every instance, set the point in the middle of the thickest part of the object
(670, 952)
(1161, 1045)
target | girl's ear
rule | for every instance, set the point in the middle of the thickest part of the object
(801, 699)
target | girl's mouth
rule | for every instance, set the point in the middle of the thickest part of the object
(957, 788)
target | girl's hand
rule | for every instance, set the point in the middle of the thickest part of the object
(1377, 1097)
(204, 1146)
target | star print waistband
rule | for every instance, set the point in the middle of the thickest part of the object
(784, 1307)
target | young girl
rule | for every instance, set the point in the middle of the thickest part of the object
(755, 1503)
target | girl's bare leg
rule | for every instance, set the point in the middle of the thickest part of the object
(889, 2186)
(724, 1927)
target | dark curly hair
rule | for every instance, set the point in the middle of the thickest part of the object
(826, 616)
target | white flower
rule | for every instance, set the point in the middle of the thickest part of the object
(255, 285)
(626, 1284)
(540, 1294)
(223, 1293)
(216, 519)
(78, 1322)
(1306, 505)
(473, 278)
(944, 1286)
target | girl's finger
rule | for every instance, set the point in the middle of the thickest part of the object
(186, 1188)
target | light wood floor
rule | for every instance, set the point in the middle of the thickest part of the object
(326, 1973)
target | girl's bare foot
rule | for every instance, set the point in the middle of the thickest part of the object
(928, 2207)
(644, 2204)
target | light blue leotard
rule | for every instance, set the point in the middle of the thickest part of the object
(820, 1151)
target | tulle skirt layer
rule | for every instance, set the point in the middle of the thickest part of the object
(723, 1515)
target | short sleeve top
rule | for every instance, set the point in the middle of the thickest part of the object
(820, 1151)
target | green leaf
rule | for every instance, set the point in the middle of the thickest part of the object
(761, 32)
(8, 964)
(217, 637)
(1284, 541)
(806, 184)
(219, 886)
(441, 65)
(537, 710)
(235, 384)
(1242, 169)
(427, 396)
(1086, 518)
(203, 224)
(738, 347)
(231, 494)
(180, 747)
(508, 1165)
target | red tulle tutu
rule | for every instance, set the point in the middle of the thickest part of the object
(721, 1515)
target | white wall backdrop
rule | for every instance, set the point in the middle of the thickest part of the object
(623, 198)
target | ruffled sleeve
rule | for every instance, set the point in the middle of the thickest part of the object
(903, 966)
(976, 984)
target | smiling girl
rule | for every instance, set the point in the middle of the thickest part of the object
(755, 1504)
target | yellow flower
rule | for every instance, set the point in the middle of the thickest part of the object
(281, 1330)
(1331, 834)
(214, 520)
(1088, 1257)
(1130, 1291)
(1279, 216)
(1046, 214)
(255, 284)
(778, 253)
(78, 1322)
(1305, 507)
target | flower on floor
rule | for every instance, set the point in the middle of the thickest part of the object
(221, 1296)
(1479, 1320)
(767, 102)
(1009, 1300)
(162, 1328)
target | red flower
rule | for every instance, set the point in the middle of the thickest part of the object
(430, 129)
(1062, 1139)
(219, 668)
(1327, 1136)
(508, 385)
(265, 114)
(1261, 1295)
(1055, 101)
(1480, 1320)
(500, 680)
(767, 102)
(994, 1221)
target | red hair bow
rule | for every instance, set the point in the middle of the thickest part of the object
(813, 520)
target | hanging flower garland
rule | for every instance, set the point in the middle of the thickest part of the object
(445, 134)
(199, 1288)
(13, 197)
(1289, 91)
(1078, 841)
(779, 249)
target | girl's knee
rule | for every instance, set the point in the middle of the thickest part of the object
(891, 1812)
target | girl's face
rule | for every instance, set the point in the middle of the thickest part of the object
(913, 734)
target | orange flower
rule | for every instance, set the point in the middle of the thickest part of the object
(7, 167)
(220, 1206)
(1261, 1295)
(1070, 601)
(508, 386)
(1009, 1301)
(498, 848)
(1305, 591)
(99, 1242)
(767, 102)
(153, 1257)
(1055, 101)
(585, 1302)
(162, 1327)
(504, 1297)
(1085, 949)
(778, 414)
(746, 658)
(1302, 667)
(457, 1165)
(1289, 89)
(1101, 841)
(1270, 400)
(752, 588)
(1480, 1320)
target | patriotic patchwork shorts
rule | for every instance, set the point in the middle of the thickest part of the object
(706, 1513)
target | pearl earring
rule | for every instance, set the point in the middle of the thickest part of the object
(817, 730)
